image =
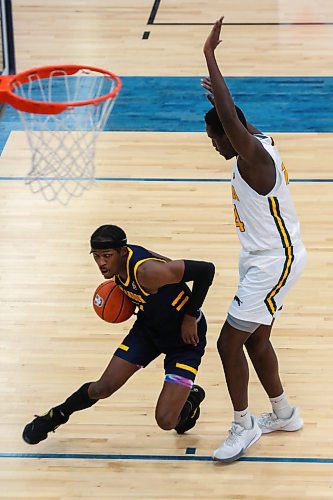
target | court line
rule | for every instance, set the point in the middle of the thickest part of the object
(191, 451)
(186, 458)
(144, 179)
(153, 12)
(247, 24)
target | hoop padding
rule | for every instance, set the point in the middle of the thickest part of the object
(73, 105)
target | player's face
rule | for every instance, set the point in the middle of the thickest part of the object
(221, 143)
(109, 261)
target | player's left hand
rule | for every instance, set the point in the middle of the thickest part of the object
(206, 84)
(213, 39)
(189, 330)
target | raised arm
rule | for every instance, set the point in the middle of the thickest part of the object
(205, 83)
(254, 161)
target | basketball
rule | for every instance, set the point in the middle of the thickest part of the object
(111, 304)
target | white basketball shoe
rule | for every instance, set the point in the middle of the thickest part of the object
(237, 442)
(269, 422)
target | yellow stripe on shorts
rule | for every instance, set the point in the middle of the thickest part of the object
(269, 301)
(186, 367)
(286, 242)
(123, 347)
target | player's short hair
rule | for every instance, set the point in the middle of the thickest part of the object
(212, 119)
(108, 236)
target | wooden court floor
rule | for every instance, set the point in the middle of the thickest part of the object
(51, 340)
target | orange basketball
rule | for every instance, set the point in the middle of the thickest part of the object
(111, 304)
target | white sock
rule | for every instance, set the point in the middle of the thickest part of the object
(281, 407)
(243, 418)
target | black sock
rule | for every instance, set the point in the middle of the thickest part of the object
(77, 401)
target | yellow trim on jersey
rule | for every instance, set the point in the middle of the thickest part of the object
(135, 297)
(136, 270)
(179, 296)
(123, 347)
(182, 303)
(275, 211)
(279, 222)
(130, 253)
(186, 367)
(285, 173)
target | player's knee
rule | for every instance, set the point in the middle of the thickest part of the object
(222, 345)
(228, 346)
(101, 389)
(166, 421)
(257, 346)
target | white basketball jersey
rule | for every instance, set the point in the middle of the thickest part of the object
(269, 221)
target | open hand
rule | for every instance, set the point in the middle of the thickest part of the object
(213, 39)
(206, 84)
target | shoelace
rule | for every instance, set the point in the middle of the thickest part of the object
(267, 418)
(47, 419)
(234, 433)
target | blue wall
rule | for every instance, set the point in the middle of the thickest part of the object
(178, 104)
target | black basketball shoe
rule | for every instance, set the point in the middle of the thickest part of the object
(195, 398)
(37, 430)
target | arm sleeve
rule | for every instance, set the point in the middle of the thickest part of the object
(202, 274)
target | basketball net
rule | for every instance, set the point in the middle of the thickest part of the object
(62, 109)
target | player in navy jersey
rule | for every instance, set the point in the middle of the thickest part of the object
(169, 321)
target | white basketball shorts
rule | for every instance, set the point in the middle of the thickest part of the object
(265, 278)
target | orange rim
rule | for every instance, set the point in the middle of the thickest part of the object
(9, 82)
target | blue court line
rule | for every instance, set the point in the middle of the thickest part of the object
(191, 451)
(144, 179)
(182, 458)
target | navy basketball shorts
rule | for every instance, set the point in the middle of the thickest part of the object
(142, 345)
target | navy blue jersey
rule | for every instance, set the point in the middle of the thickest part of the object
(158, 310)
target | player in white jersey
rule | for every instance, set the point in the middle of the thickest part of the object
(272, 258)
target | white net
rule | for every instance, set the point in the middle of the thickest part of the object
(63, 145)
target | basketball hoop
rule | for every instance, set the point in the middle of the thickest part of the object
(63, 109)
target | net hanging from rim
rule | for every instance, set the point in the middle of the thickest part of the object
(63, 109)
